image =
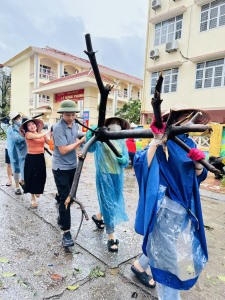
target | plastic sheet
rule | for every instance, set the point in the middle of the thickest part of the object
(17, 149)
(110, 180)
(173, 245)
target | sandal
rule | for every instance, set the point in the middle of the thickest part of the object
(99, 223)
(22, 185)
(34, 204)
(111, 243)
(18, 192)
(143, 277)
(9, 183)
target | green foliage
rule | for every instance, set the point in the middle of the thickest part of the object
(223, 181)
(96, 272)
(5, 91)
(130, 111)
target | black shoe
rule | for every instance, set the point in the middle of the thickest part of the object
(18, 191)
(57, 198)
(67, 240)
(22, 185)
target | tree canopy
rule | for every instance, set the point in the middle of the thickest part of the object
(5, 90)
(130, 111)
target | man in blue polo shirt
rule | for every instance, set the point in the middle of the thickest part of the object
(64, 163)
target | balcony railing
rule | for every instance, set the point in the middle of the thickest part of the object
(202, 141)
(46, 74)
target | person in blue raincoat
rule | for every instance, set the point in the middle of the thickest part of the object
(110, 180)
(169, 214)
(17, 150)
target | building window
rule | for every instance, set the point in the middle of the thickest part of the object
(168, 31)
(212, 15)
(210, 74)
(44, 99)
(45, 69)
(125, 93)
(169, 82)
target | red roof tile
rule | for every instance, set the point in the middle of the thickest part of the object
(64, 56)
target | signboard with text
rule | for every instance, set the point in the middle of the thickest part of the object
(85, 120)
(75, 95)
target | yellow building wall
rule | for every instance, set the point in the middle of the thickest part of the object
(91, 104)
(215, 139)
(193, 43)
(20, 87)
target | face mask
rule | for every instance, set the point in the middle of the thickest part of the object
(18, 123)
(114, 127)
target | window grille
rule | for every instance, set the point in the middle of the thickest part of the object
(212, 15)
(210, 74)
(168, 30)
(169, 82)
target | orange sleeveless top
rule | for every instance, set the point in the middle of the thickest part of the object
(35, 146)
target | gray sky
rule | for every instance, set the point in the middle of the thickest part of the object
(117, 28)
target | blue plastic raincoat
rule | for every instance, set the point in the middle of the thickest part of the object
(17, 149)
(110, 180)
(169, 215)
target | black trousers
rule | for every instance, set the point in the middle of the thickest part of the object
(63, 181)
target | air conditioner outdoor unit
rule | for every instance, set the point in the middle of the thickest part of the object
(156, 4)
(154, 54)
(171, 46)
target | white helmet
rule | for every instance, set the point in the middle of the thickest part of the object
(14, 114)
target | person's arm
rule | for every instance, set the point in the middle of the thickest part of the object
(196, 155)
(157, 141)
(32, 136)
(151, 152)
(68, 148)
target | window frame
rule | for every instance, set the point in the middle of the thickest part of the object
(209, 8)
(164, 36)
(167, 85)
(205, 67)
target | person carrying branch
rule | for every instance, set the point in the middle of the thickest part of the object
(64, 163)
(110, 180)
(35, 168)
(169, 213)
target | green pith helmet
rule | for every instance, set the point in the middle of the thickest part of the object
(67, 106)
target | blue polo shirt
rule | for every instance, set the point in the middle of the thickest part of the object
(63, 136)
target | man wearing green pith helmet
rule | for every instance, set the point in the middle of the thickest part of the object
(64, 163)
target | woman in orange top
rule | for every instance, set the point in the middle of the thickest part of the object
(34, 169)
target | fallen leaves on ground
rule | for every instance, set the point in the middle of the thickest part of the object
(221, 277)
(8, 274)
(73, 287)
(55, 276)
(96, 272)
(4, 260)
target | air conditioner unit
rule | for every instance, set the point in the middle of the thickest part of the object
(154, 54)
(171, 46)
(156, 4)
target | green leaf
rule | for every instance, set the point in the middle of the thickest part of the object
(38, 273)
(221, 277)
(4, 260)
(77, 271)
(96, 272)
(73, 287)
(8, 274)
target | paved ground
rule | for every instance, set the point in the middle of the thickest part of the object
(31, 246)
